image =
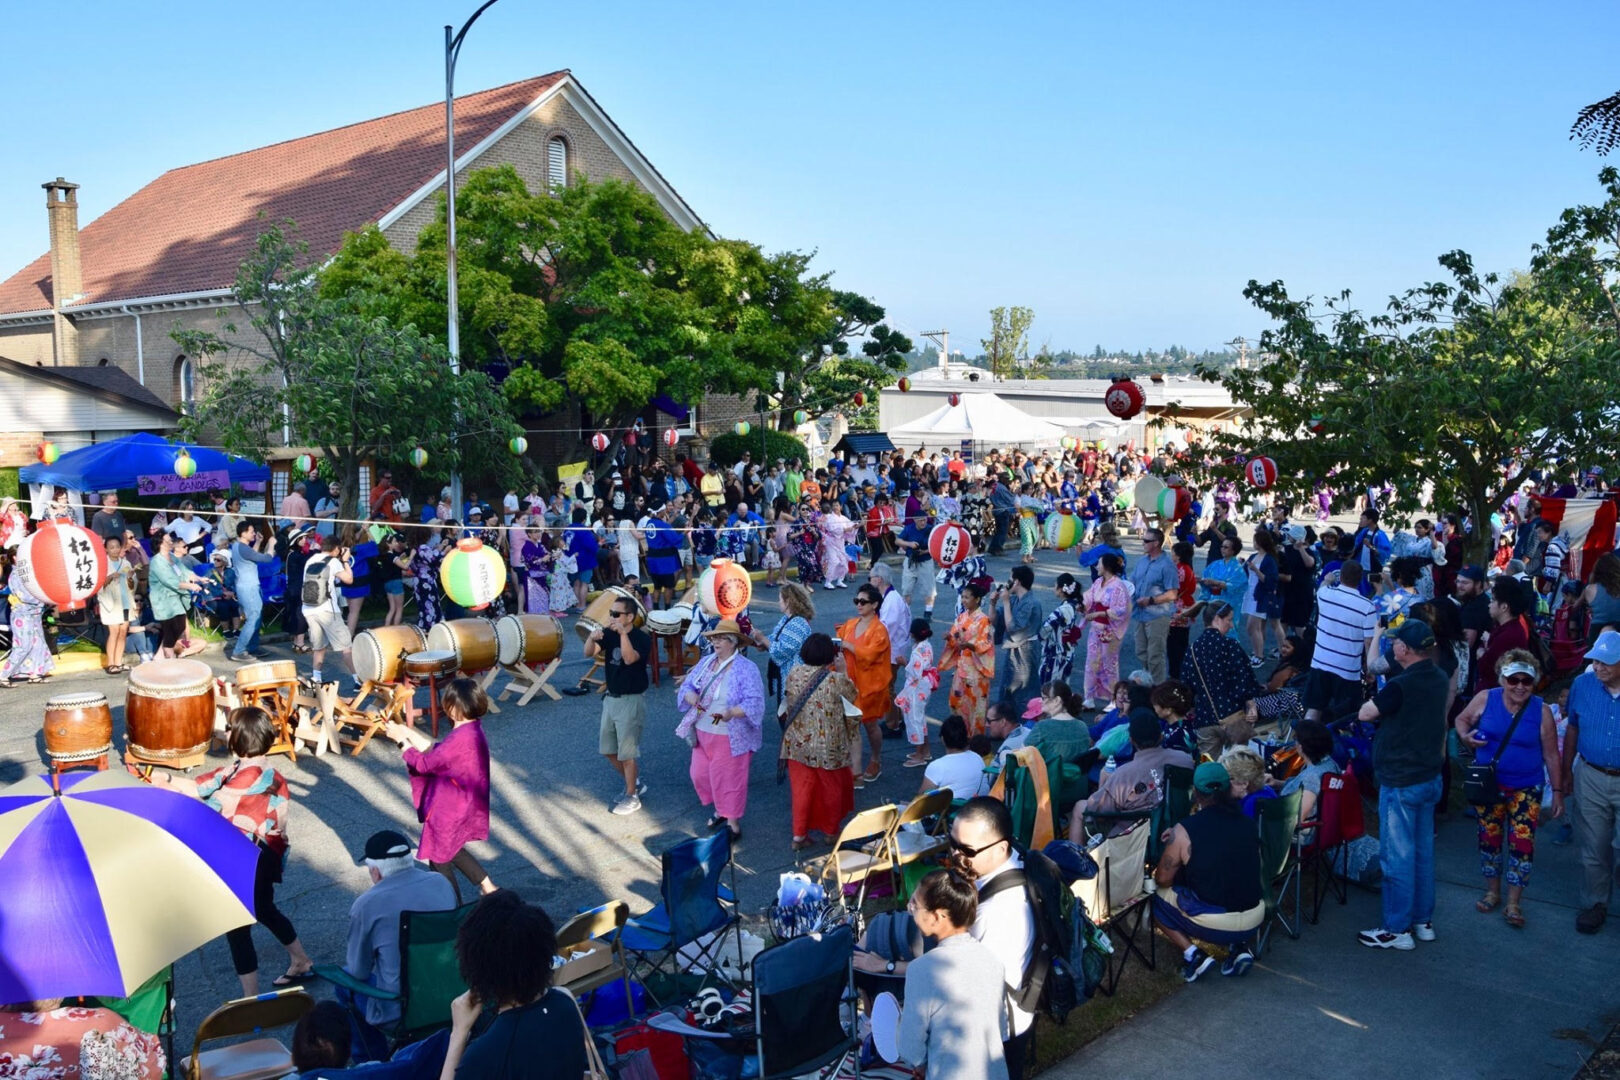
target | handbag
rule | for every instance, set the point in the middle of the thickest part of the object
(1480, 786)
(789, 715)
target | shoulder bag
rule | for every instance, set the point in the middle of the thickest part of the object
(789, 714)
(1480, 786)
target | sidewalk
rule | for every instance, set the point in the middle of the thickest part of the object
(1483, 1001)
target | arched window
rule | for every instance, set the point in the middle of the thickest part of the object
(557, 161)
(185, 385)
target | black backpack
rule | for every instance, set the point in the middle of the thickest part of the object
(1060, 974)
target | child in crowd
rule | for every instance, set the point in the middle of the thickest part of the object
(912, 701)
(559, 577)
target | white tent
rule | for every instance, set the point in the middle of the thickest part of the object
(981, 418)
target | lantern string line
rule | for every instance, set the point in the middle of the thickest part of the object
(459, 436)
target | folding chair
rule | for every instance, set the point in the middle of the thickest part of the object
(600, 925)
(912, 846)
(803, 990)
(256, 1059)
(1340, 818)
(1117, 899)
(865, 846)
(1279, 864)
(692, 907)
(429, 973)
(1025, 786)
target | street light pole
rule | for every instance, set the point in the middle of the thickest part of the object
(452, 50)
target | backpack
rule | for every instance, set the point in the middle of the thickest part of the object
(317, 589)
(1066, 966)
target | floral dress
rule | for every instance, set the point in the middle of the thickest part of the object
(30, 657)
(1059, 635)
(808, 554)
(559, 582)
(1107, 636)
(425, 568)
(536, 565)
(912, 700)
(836, 529)
(971, 650)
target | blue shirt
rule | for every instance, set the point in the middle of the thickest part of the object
(1152, 577)
(1597, 714)
(582, 546)
(663, 547)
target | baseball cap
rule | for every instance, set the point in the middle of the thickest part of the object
(1606, 649)
(475, 512)
(1414, 634)
(1211, 777)
(1472, 573)
(387, 844)
(1032, 711)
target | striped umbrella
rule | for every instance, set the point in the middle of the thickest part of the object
(110, 881)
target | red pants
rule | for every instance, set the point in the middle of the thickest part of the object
(821, 798)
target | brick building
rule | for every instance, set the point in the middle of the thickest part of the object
(108, 295)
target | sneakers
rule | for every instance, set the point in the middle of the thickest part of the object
(1386, 939)
(1238, 963)
(1423, 931)
(627, 804)
(245, 658)
(1195, 963)
(1591, 920)
(641, 786)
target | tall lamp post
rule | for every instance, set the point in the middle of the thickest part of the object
(452, 50)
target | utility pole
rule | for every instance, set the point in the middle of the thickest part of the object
(941, 338)
(1242, 344)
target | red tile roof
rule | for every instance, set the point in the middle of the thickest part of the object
(188, 230)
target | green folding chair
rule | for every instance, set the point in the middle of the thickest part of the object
(1279, 863)
(429, 974)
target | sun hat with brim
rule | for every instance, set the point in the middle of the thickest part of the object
(1211, 777)
(1517, 667)
(725, 628)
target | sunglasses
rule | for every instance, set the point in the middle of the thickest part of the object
(861, 600)
(1519, 680)
(619, 614)
(971, 852)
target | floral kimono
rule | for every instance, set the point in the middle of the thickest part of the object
(970, 650)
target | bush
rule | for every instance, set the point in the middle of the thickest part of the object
(728, 449)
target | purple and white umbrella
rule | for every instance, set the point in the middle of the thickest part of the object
(106, 883)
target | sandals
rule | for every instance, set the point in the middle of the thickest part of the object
(914, 762)
(715, 822)
(300, 648)
(1513, 916)
(1489, 903)
(291, 979)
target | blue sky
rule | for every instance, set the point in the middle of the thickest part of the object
(1123, 174)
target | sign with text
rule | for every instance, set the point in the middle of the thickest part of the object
(967, 451)
(170, 484)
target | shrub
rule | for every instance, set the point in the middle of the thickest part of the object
(728, 449)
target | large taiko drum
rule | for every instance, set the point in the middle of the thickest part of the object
(472, 640)
(596, 616)
(169, 712)
(378, 652)
(528, 639)
(266, 675)
(78, 728)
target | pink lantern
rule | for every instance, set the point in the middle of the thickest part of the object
(1261, 471)
(671, 438)
(949, 544)
(62, 564)
(599, 443)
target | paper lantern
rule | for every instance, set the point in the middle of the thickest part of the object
(904, 384)
(47, 453)
(671, 437)
(859, 399)
(184, 465)
(517, 444)
(1063, 529)
(949, 543)
(304, 464)
(599, 443)
(473, 575)
(725, 589)
(1172, 504)
(953, 400)
(62, 564)
(800, 417)
(1124, 398)
(1317, 425)
(741, 427)
(419, 457)
(1147, 492)
(1261, 471)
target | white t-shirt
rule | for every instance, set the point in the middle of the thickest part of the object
(510, 505)
(963, 773)
(189, 532)
(1345, 622)
(1006, 926)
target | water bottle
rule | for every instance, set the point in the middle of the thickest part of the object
(1109, 767)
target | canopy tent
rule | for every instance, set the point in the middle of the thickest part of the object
(980, 418)
(122, 462)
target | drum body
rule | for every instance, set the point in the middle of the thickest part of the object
(78, 727)
(472, 641)
(596, 615)
(666, 623)
(266, 675)
(430, 664)
(378, 652)
(528, 639)
(169, 712)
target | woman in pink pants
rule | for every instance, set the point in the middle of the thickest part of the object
(724, 701)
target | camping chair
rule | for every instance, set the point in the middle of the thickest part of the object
(1339, 820)
(693, 914)
(1025, 786)
(1117, 899)
(1279, 863)
(429, 973)
(1173, 809)
(802, 989)
(596, 930)
(864, 848)
(911, 846)
(256, 1059)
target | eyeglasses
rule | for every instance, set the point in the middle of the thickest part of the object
(1519, 680)
(864, 600)
(972, 852)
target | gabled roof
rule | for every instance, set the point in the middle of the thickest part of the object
(188, 230)
(106, 382)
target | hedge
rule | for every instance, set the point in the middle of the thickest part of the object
(728, 449)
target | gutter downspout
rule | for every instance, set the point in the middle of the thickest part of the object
(140, 346)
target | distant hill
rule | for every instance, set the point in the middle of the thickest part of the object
(1097, 364)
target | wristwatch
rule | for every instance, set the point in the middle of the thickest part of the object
(889, 967)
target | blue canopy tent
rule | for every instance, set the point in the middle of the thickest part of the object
(119, 464)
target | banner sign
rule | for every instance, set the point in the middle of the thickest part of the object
(170, 484)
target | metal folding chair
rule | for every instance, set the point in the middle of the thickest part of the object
(599, 924)
(256, 1059)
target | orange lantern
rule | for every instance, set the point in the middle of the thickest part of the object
(725, 589)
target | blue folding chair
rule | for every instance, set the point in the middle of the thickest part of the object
(800, 989)
(695, 906)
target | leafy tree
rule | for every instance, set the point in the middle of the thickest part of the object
(766, 446)
(1467, 385)
(354, 385)
(822, 374)
(1008, 344)
(1597, 126)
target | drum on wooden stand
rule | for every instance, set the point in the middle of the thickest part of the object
(272, 685)
(169, 713)
(528, 639)
(597, 614)
(78, 731)
(379, 653)
(472, 641)
(431, 664)
(266, 676)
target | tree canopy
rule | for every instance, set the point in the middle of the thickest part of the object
(1465, 385)
(1007, 347)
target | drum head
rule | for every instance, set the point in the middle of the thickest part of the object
(88, 699)
(441, 638)
(171, 675)
(510, 636)
(430, 662)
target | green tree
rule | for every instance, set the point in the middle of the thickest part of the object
(1007, 347)
(355, 385)
(1467, 384)
(819, 372)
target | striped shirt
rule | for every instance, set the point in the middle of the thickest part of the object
(1596, 713)
(1345, 622)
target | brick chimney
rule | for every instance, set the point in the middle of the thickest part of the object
(67, 282)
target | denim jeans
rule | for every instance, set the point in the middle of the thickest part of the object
(252, 608)
(1406, 852)
(1004, 519)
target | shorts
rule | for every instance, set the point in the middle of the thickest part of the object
(327, 630)
(622, 717)
(686, 557)
(663, 581)
(395, 587)
(172, 630)
(582, 577)
(1331, 695)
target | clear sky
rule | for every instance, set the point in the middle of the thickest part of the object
(1123, 173)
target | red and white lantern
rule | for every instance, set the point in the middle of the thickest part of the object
(1124, 398)
(859, 399)
(671, 438)
(1261, 471)
(62, 564)
(949, 543)
(725, 589)
(599, 442)
(953, 400)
